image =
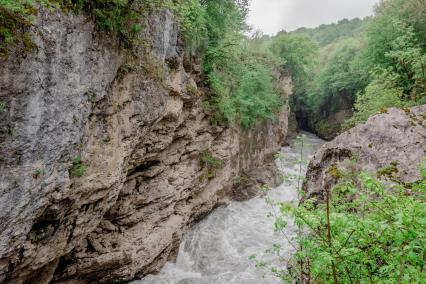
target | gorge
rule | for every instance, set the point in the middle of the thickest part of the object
(143, 142)
(105, 180)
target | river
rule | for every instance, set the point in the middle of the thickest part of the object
(217, 250)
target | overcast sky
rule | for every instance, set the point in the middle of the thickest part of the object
(271, 16)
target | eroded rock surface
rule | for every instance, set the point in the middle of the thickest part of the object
(395, 139)
(101, 168)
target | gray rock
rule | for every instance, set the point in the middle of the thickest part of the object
(99, 171)
(397, 137)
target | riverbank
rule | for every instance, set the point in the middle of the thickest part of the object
(217, 250)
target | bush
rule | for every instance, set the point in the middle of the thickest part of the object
(378, 97)
(240, 75)
(211, 163)
(366, 233)
(192, 18)
(243, 87)
(298, 55)
(361, 231)
(78, 169)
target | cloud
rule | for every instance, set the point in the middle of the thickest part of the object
(271, 16)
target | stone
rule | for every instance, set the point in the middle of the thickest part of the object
(100, 170)
(397, 138)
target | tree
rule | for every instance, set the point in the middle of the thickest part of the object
(298, 55)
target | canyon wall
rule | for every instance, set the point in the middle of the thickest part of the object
(107, 155)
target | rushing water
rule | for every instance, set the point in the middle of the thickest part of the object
(217, 250)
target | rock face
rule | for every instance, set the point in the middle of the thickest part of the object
(396, 138)
(107, 158)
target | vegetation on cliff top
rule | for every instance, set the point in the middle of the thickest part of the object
(241, 77)
(239, 73)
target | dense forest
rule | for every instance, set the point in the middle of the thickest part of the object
(374, 63)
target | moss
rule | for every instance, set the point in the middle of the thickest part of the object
(208, 160)
(242, 179)
(123, 70)
(173, 63)
(174, 93)
(78, 169)
(383, 110)
(389, 171)
(13, 240)
(28, 42)
(192, 90)
(92, 97)
(153, 67)
(334, 171)
(107, 139)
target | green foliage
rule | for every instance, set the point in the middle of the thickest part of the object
(78, 169)
(377, 63)
(37, 173)
(331, 33)
(396, 56)
(240, 76)
(412, 12)
(377, 235)
(191, 15)
(336, 76)
(360, 231)
(298, 55)
(379, 96)
(211, 163)
(243, 85)
(14, 15)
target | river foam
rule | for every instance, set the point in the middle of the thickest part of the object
(217, 250)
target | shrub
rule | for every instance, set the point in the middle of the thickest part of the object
(360, 231)
(378, 97)
(211, 163)
(207, 160)
(78, 169)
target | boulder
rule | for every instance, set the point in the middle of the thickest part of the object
(393, 140)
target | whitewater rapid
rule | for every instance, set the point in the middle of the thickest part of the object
(217, 250)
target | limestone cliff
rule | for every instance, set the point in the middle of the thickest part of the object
(107, 156)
